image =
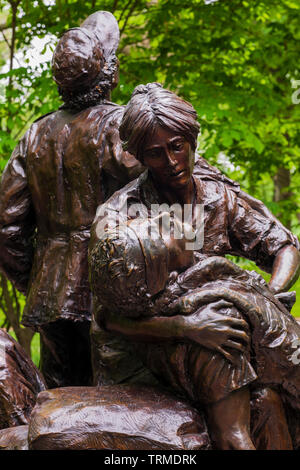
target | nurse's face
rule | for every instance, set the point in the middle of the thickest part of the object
(169, 158)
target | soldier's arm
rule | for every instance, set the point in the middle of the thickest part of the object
(210, 329)
(17, 220)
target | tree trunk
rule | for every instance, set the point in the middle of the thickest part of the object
(10, 305)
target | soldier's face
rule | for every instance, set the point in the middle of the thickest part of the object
(169, 158)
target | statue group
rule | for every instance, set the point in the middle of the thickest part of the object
(116, 231)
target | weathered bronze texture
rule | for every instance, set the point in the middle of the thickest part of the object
(20, 383)
(119, 417)
(182, 338)
(205, 328)
(14, 438)
(67, 164)
(269, 429)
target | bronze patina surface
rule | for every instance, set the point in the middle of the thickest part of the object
(67, 164)
(120, 417)
(20, 383)
(189, 351)
(205, 328)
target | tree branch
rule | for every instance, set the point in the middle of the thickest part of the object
(2, 307)
(14, 6)
(115, 4)
(6, 40)
(124, 9)
(128, 16)
(4, 26)
(9, 46)
(10, 314)
(17, 303)
(24, 335)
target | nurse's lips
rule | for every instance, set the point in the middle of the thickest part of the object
(176, 174)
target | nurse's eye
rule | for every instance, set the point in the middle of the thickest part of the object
(178, 145)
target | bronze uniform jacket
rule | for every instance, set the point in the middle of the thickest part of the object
(234, 222)
(62, 169)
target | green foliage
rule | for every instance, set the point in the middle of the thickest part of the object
(35, 344)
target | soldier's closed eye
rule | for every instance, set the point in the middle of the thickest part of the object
(153, 153)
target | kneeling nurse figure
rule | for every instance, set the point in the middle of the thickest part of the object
(207, 329)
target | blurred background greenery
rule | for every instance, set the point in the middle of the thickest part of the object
(236, 61)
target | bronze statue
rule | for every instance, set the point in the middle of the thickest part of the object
(20, 384)
(179, 332)
(211, 332)
(67, 164)
(121, 417)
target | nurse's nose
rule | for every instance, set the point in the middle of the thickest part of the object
(170, 157)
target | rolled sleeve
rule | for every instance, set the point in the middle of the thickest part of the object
(255, 233)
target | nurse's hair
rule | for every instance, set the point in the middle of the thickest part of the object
(151, 106)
